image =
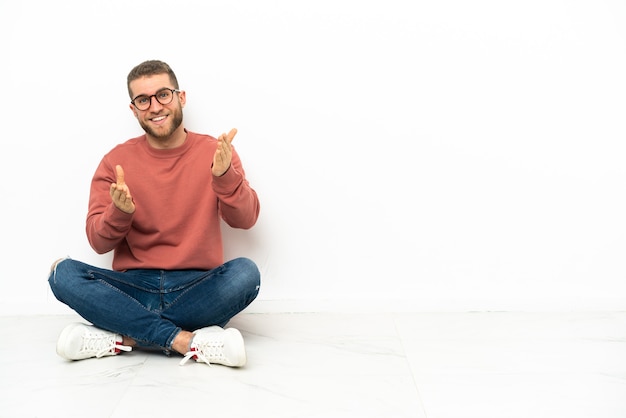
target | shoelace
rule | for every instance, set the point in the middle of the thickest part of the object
(101, 344)
(204, 351)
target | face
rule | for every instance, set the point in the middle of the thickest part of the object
(159, 121)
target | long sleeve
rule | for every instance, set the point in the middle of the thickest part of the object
(238, 202)
(106, 225)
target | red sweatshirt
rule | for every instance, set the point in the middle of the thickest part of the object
(178, 205)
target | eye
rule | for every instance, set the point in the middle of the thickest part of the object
(142, 100)
(163, 94)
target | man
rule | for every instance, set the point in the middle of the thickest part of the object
(156, 201)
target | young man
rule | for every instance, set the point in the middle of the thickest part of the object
(157, 201)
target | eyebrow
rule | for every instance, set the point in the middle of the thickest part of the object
(158, 90)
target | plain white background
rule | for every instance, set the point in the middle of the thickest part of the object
(409, 155)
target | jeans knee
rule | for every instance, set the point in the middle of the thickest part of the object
(249, 269)
(53, 271)
(58, 274)
(54, 265)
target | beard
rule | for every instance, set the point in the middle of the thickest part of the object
(176, 120)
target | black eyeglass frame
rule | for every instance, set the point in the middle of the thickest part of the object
(155, 97)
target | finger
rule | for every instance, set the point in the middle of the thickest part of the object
(116, 193)
(120, 175)
(124, 192)
(231, 135)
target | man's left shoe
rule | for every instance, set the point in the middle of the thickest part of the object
(217, 345)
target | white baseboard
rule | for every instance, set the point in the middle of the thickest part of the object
(404, 305)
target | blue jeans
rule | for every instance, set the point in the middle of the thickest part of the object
(153, 306)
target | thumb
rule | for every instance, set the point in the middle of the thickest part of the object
(231, 135)
(119, 171)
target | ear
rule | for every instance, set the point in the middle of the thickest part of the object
(182, 96)
(133, 109)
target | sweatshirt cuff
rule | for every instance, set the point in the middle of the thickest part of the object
(117, 217)
(227, 182)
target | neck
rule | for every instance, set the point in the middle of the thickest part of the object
(175, 140)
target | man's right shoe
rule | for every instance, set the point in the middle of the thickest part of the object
(80, 341)
(218, 346)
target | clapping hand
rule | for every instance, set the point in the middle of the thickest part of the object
(224, 153)
(120, 193)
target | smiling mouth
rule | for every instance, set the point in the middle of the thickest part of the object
(159, 119)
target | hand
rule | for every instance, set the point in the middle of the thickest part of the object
(120, 193)
(224, 153)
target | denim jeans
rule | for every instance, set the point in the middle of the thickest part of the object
(153, 306)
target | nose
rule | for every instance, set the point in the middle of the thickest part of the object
(154, 102)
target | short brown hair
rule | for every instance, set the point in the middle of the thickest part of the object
(148, 68)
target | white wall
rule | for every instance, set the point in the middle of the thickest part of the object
(447, 155)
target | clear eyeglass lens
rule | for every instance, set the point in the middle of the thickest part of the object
(164, 97)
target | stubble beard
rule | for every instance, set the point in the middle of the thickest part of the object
(177, 120)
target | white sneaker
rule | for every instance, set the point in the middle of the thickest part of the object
(217, 345)
(79, 341)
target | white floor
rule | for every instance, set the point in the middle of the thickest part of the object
(482, 365)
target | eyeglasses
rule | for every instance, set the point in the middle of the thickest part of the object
(163, 96)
